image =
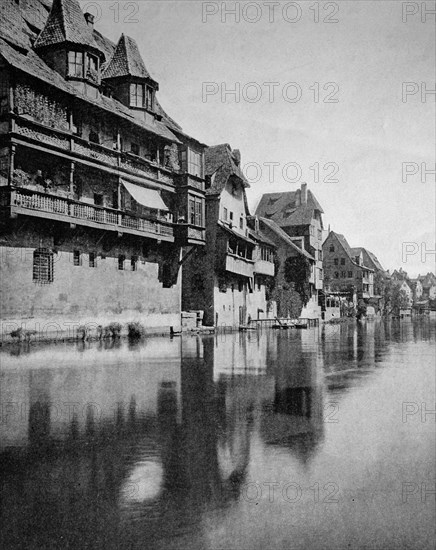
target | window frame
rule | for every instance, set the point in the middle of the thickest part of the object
(43, 266)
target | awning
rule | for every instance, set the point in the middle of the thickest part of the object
(150, 198)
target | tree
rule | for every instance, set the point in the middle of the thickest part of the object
(297, 270)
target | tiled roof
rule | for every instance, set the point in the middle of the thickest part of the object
(66, 23)
(351, 252)
(221, 163)
(271, 224)
(12, 26)
(259, 236)
(33, 65)
(285, 208)
(126, 60)
(372, 257)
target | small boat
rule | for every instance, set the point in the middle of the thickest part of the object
(302, 324)
(280, 326)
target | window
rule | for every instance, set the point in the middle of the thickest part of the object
(77, 260)
(196, 211)
(137, 95)
(336, 261)
(75, 64)
(92, 68)
(98, 199)
(259, 283)
(225, 214)
(134, 148)
(121, 262)
(43, 266)
(195, 163)
(134, 263)
(336, 275)
(93, 136)
(241, 223)
(311, 230)
(332, 248)
(320, 255)
(149, 99)
(319, 235)
(231, 217)
(92, 259)
(240, 286)
(342, 261)
(350, 274)
(320, 274)
(343, 274)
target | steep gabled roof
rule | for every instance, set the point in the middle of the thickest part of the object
(32, 65)
(221, 163)
(284, 237)
(286, 208)
(372, 257)
(126, 61)
(66, 23)
(351, 252)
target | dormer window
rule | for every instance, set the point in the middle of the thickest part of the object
(75, 64)
(81, 65)
(141, 96)
(92, 68)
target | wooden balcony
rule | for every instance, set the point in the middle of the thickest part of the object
(44, 205)
(239, 266)
(262, 267)
(74, 146)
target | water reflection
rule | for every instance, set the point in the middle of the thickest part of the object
(129, 446)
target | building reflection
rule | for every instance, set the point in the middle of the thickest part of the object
(134, 444)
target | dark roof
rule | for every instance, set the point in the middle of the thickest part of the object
(126, 61)
(33, 65)
(372, 257)
(66, 23)
(12, 26)
(227, 229)
(221, 163)
(351, 252)
(271, 224)
(14, 29)
(259, 236)
(285, 208)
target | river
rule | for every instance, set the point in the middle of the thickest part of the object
(302, 439)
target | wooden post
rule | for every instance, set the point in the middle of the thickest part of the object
(12, 164)
(72, 166)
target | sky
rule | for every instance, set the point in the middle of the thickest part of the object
(334, 94)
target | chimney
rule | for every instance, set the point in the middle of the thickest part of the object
(298, 197)
(304, 193)
(89, 19)
(236, 154)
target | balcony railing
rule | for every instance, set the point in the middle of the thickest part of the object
(119, 160)
(239, 265)
(73, 211)
(262, 267)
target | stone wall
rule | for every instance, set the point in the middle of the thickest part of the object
(81, 294)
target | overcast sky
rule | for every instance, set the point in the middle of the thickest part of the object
(366, 129)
